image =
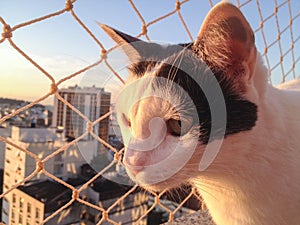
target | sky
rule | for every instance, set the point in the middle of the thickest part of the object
(61, 46)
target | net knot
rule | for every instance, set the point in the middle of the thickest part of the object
(39, 166)
(69, 5)
(103, 54)
(53, 88)
(177, 6)
(7, 31)
(144, 29)
(105, 215)
(117, 157)
(75, 194)
(156, 200)
(89, 127)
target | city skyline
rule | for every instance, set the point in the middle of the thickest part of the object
(62, 47)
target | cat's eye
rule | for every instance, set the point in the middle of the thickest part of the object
(125, 120)
(174, 127)
(178, 127)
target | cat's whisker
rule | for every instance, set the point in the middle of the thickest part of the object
(200, 189)
(179, 64)
(173, 72)
(172, 66)
(209, 185)
(214, 185)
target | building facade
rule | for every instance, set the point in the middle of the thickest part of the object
(33, 202)
(4, 132)
(24, 209)
(91, 101)
(42, 142)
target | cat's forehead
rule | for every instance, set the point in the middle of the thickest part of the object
(134, 90)
(175, 78)
(140, 94)
(153, 95)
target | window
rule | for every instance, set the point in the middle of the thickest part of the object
(13, 216)
(20, 219)
(37, 213)
(14, 198)
(28, 208)
(19, 156)
(21, 203)
(27, 222)
(7, 174)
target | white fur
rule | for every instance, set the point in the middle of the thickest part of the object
(255, 178)
(149, 147)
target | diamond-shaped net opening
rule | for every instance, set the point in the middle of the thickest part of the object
(276, 24)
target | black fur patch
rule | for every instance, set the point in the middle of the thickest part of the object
(152, 54)
(241, 113)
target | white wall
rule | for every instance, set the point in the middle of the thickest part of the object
(4, 132)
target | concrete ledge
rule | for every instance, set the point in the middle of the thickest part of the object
(201, 217)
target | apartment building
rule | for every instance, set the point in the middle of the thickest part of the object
(42, 142)
(93, 102)
(35, 201)
(4, 132)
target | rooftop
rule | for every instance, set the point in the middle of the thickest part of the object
(85, 90)
(54, 195)
(34, 135)
(107, 188)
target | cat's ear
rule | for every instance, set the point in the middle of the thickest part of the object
(132, 47)
(226, 41)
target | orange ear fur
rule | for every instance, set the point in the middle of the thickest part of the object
(227, 40)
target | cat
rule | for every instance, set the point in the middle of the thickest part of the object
(254, 177)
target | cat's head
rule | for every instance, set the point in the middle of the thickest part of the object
(166, 109)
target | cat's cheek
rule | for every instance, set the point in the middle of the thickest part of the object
(126, 134)
(131, 175)
(252, 93)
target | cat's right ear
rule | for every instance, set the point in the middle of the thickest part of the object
(226, 42)
(133, 47)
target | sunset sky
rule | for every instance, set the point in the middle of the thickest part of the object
(61, 46)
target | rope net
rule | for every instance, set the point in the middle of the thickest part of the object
(284, 65)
